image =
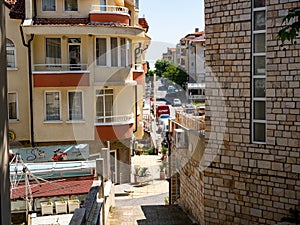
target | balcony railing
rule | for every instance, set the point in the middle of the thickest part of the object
(138, 67)
(59, 67)
(116, 119)
(197, 97)
(190, 121)
(109, 9)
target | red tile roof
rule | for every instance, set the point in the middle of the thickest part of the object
(9, 3)
(64, 186)
(144, 24)
(17, 8)
(47, 21)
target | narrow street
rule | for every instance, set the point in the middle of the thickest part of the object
(145, 203)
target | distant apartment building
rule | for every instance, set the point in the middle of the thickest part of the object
(170, 55)
(190, 56)
(249, 172)
(76, 75)
(196, 69)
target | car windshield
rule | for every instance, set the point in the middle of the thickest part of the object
(163, 116)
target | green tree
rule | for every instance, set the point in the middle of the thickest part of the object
(292, 25)
(161, 65)
(150, 73)
(176, 74)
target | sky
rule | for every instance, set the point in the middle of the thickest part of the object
(169, 21)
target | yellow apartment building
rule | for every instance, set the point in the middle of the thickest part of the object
(76, 75)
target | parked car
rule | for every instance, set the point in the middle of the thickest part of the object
(162, 109)
(176, 102)
(164, 121)
(171, 89)
(190, 108)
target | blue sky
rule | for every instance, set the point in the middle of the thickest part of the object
(169, 21)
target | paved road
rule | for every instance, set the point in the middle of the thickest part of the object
(149, 215)
(145, 204)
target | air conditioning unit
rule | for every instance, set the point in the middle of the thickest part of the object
(181, 139)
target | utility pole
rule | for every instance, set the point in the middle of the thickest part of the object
(5, 217)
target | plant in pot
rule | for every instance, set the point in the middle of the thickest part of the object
(143, 174)
(61, 206)
(164, 151)
(136, 173)
(162, 174)
(73, 204)
(47, 207)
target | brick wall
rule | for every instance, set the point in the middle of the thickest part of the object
(249, 183)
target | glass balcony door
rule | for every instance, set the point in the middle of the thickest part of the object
(74, 53)
(104, 105)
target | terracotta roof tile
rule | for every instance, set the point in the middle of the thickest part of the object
(47, 21)
(143, 22)
(17, 9)
(9, 3)
(64, 186)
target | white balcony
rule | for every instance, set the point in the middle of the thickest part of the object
(58, 68)
(114, 120)
(109, 9)
(109, 14)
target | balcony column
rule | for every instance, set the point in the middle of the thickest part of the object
(5, 217)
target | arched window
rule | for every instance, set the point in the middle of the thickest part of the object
(10, 54)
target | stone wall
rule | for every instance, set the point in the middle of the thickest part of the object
(247, 183)
(187, 188)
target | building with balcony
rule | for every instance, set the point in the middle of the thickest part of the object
(196, 69)
(170, 55)
(189, 54)
(249, 172)
(76, 75)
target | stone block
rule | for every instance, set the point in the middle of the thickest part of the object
(256, 212)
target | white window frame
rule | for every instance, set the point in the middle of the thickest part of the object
(105, 119)
(255, 76)
(80, 59)
(13, 49)
(45, 106)
(50, 11)
(119, 50)
(82, 105)
(17, 106)
(70, 11)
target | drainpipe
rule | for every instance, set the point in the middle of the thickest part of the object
(136, 109)
(28, 46)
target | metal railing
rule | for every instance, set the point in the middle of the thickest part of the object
(109, 9)
(59, 67)
(197, 97)
(122, 119)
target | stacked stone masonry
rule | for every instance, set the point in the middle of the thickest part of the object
(250, 183)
